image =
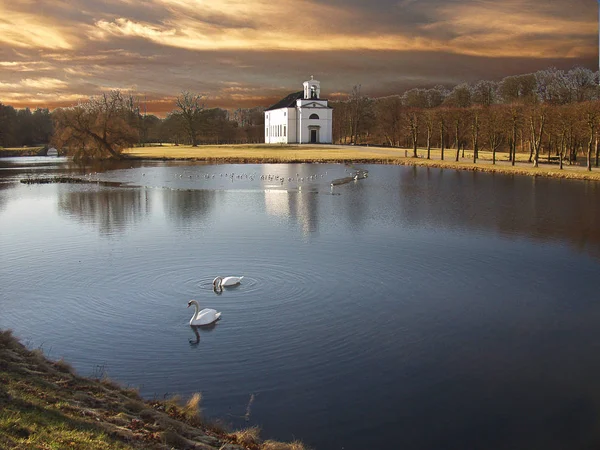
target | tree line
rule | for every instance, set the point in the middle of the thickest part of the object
(105, 124)
(550, 113)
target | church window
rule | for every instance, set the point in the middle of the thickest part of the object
(313, 92)
(314, 116)
(284, 130)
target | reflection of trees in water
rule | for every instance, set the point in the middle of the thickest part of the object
(539, 208)
(111, 210)
(183, 206)
(4, 194)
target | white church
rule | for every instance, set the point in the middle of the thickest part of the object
(300, 118)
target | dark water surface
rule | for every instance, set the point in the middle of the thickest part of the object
(416, 308)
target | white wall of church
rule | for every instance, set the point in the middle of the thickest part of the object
(280, 126)
(323, 124)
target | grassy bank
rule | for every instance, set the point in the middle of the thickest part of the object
(45, 405)
(262, 153)
(19, 151)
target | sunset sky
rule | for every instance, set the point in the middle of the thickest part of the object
(244, 53)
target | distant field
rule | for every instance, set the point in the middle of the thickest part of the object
(257, 153)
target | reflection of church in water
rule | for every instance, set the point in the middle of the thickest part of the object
(302, 206)
(300, 118)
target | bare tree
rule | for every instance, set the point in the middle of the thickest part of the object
(429, 117)
(537, 120)
(359, 114)
(98, 128)
(591, 113)
(412, 120)
(389, 118)
(442, 112)
(191, 107)
(475, 127)
(515, 114)
(484, 93)
(493, 129)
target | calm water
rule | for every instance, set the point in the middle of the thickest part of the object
(416, 308)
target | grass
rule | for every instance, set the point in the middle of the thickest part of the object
(309, 153)
(46, 405)
(19, 151)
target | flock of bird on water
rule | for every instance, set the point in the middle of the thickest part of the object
(356, 174)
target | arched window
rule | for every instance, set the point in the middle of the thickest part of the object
(313, 116)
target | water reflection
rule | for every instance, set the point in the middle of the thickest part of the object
(196, 329)
(535, 208)
(539, 208)
(189, 205)
(111, 210)
(296, 205)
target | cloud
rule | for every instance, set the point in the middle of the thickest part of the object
(43, 83)
(32, 30)
(251, 52)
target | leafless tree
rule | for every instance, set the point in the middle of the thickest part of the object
(591, 113)
(98, 128)
(190, 108)
(537, 121)
(412, 120)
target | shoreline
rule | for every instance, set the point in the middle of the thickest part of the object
(45, 404)
(340, 154)
(346, 154)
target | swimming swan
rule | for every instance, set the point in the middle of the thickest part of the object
(219, 282)
(204, 317)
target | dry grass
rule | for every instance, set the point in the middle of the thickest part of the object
(272, 445)
(247, 436)
(19, 151)
(43, 404)
(192, 409)
(306, 153)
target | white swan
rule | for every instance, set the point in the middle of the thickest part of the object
(219, 282)
(203, 317)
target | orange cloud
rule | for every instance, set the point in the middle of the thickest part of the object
(32, 30)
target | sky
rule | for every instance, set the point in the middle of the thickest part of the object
(246, 53)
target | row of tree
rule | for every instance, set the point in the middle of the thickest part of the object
(561, 132)
(550, 111)
(530, 110)
(23, 127)
(103, 125)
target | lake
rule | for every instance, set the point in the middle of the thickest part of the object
(415, 308)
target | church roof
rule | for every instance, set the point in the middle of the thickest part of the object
(288, 102)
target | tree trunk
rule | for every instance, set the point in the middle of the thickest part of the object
(561, 152)
(589, 152)
(442, 140)
(514, 144)
(597, 150)
(475, 139)
(429, 143)
(457, 141)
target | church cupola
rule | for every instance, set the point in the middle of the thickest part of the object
(312, 89)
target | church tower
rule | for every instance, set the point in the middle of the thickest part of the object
(312, 89)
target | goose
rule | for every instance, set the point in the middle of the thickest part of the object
(203, 317)
(219, 282)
